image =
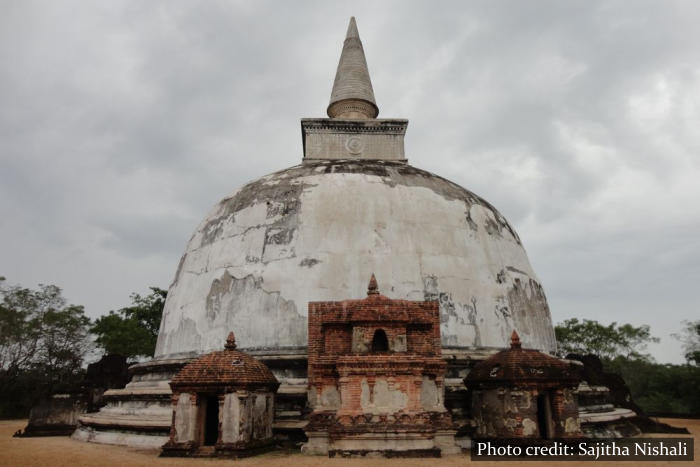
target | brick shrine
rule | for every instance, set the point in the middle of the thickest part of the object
(376, 378)
(223, 406)
(524, 393)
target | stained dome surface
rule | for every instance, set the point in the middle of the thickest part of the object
(316, 231)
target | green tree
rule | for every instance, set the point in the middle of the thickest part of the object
(63, 344)
(608, 342)
(132, 331)
(40, 335)
(660, 389)
(690, 338)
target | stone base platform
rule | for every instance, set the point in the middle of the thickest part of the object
(382, 444)
(138, 415)
(220, 450)
(55, 416)
(385, 453)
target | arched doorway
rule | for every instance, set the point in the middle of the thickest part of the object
(211, 420)
(380, 343)
(544, 416)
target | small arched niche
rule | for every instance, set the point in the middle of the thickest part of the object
(380, 343)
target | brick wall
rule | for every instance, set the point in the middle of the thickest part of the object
(386, 384)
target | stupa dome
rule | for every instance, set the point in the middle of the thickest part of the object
(316, 231)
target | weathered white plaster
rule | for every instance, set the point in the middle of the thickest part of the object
(230, 429)
(359, 342)
(330, 398)
(381, 397)
(383, 441)
(315, 232)
(246, 418)
(260, 413)
(120, 438)
(572, 425)
(398, 344)
(342, 139)
(430, 395)
(185, 418)
(317, 444)
(529, 427)
(270, 415)
(445, 441)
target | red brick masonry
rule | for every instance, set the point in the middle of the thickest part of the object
(343, 363)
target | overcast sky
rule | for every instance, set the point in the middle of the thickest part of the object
(123, 122)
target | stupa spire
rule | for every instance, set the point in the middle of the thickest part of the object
(514, 340)
(230, 342)
(372, 287)
(352, 95)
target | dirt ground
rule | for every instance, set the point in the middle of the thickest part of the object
(63, 451)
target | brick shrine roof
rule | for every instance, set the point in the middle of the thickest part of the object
(517, 366)
(228, 367)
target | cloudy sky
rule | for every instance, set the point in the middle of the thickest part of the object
(123, 122)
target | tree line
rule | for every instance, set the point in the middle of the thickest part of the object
(45, 341)
(658, 388)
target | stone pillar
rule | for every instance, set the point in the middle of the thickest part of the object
(317, 445)
(565, 414)
(246, 416)
(230, 423)
(220, 399)
(270, 418)
(445, 442)
(259, 416)
(185, 418)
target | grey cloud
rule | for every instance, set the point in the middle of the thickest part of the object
(122, 123)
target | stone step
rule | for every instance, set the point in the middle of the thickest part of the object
(132, 422)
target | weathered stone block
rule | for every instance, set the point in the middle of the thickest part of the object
(376, 139)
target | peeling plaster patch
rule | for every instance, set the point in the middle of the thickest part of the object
(512, 269)
(179, 269)
(230, 425)
(501, 277)
(502, 311)
(381, 398)
(214, 227)
(429, 394)
(430, 287)
(492, 228)
(352, 167)
(359, 343)
(186, 333)
(280, 192)
(218, 288)
(451, 310)
(529, 427)
(530, 311)
(399, 343)
(397, 173)
(242, 305)
(309, 262)
(276, 236)
(330, 397)
(572, 425)
(184, 419)
(470, 222)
